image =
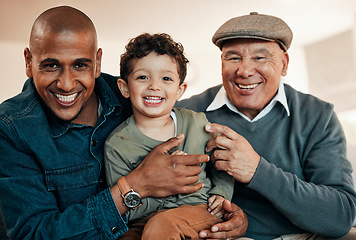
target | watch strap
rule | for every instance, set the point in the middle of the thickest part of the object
(123, 185)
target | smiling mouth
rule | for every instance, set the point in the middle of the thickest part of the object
(247, 86)
(153, 100)
(66, 99)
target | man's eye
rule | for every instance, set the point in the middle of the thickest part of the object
(80, 65)
(260, 58)
(233, 58)
(50, 67)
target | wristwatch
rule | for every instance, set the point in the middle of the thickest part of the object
(131, 198)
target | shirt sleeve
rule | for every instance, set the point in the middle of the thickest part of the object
(32, 211)
(323, 202)
(223, 183)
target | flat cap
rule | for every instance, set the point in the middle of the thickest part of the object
(257, 26)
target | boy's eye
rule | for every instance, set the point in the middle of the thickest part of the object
(142, 77)
(167, 79)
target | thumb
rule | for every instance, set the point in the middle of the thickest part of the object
(227, 206)
(170, 143)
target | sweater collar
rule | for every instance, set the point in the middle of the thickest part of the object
(221, 99)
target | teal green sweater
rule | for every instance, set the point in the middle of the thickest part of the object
(303, 182)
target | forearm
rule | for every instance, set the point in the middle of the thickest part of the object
(318, 208)
(40, 204)
(31, 217)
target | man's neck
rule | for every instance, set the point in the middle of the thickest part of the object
(89, 113)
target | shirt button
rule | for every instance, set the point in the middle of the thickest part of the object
(114, 230)
(93, 143)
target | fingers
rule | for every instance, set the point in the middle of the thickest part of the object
(216, 205)
(178, 152)
(222, 130)
(224, 139)
(191, 188)
(211, 200)
(169, 144)
(178, 174)
(235, 226)
(227, 205)
(189, 160)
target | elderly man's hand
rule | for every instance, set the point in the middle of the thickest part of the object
(232, 153)
(235, 225)
(162, 175)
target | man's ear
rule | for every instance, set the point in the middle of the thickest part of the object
(99, 54)
(285, 63)
(123, 88)
(28, 62)
(181, 90)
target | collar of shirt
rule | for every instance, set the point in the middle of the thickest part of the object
(221, 99)
(107, 103)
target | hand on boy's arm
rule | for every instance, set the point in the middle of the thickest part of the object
(215, 205)
(162, 175)
(235, 224)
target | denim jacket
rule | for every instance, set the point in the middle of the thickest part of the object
(52, 183)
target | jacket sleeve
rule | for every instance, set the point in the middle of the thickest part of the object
(323, 202)
(31, 210)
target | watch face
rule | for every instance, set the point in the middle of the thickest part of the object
(132, 200)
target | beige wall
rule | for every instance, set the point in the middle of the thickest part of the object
(321, 55)
(332, 77)
(331, 70)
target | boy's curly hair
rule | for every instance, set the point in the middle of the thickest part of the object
(146, 43)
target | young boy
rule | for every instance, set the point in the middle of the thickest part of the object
(153, 70)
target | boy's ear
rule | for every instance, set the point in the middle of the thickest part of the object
(123, 88)
(181, 90)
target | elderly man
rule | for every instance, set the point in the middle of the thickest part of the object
(52, 183)
(285, 149)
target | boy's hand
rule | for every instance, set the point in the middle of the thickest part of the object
(235, 224)
(215, 205)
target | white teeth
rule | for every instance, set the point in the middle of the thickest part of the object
(67, 99)
(153, 99)
(247, 87)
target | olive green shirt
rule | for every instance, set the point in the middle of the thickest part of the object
(127, 146)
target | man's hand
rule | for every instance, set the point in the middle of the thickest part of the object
(232, 153)
(162, 175)
(235, 225)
